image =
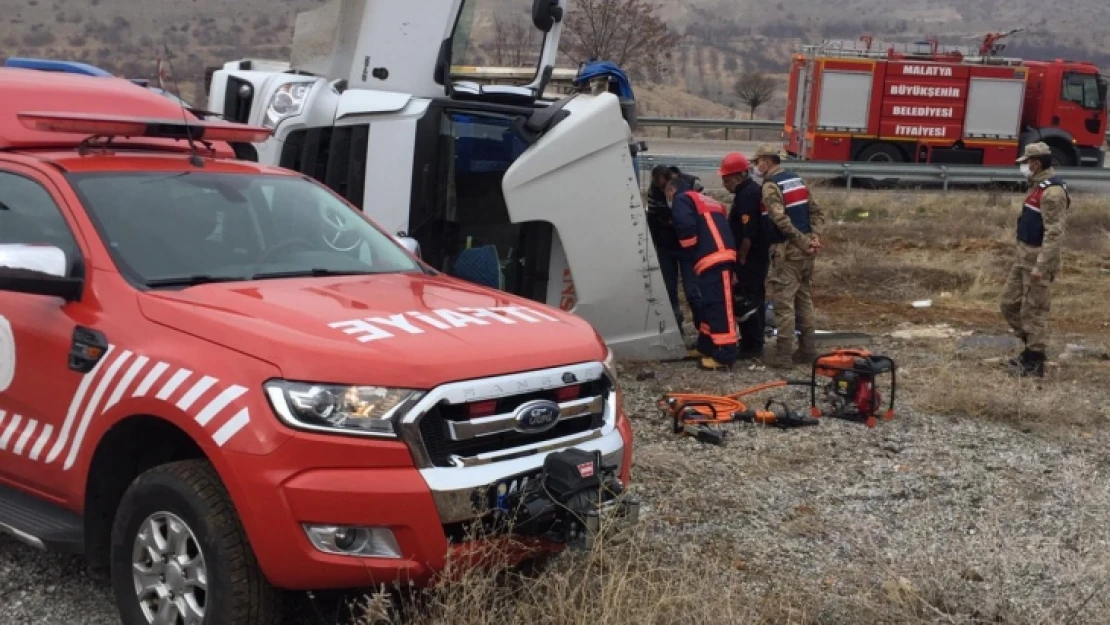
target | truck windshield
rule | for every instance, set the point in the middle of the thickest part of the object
(179, 229)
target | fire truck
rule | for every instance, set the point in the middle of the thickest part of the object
(918, 103)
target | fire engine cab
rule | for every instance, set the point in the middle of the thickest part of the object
(852, 101)
(220, 381)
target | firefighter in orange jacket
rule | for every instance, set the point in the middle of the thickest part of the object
(705, 237)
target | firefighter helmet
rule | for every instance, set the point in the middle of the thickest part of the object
(734, 163)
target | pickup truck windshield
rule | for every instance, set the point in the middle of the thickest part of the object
(180, 229)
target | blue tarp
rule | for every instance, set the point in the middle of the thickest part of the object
(599, 69)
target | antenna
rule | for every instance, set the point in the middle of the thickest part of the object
(195, 158)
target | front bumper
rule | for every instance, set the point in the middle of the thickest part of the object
(375, 485)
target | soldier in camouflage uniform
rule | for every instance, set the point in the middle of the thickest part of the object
(1040, 231)
(795, 221)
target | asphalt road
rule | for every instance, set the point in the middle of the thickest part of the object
(667, 151)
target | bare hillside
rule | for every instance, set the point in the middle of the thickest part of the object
(722, 37)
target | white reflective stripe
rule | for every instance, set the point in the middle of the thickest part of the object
(216, 405)
(43, 439)
(194, 393)
(1032, 208)
(10, 431)
(125, 382)
(28, 432)
(90, 408)
(151, 378)
(75, 405)
(177, 380)
(232, 427)
(797, 204)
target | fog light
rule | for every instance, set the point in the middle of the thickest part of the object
(362, 542)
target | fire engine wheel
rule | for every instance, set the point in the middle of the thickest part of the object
(180, 555)
(880, 153)
(1060, 158)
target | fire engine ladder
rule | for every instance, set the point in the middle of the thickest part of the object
(805, 92)
(906, 51)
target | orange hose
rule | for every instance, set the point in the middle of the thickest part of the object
(724, 405)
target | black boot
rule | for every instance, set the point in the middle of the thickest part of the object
(1034, 364)
(1029, 364)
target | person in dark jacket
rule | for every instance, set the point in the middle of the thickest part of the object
(753, 253)
(667, 249)
(703, 233)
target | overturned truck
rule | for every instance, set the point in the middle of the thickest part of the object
(500, 184)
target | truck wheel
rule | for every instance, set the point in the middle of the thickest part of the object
(180, 555)
(880, 153)
(1060, 158)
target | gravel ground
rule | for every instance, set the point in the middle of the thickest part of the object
(948, 519)
(962, 518)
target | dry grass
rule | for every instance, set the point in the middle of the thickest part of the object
(964, 549)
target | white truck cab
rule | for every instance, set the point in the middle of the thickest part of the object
(498, 184)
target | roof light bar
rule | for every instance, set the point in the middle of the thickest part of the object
(116, 126)
(51, 65)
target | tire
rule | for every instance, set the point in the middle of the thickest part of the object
(190, 496)
(880, 153)
(1061, 158)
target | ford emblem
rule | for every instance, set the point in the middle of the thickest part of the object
(537, 416)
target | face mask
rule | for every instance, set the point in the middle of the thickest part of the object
(757, 176)
(1026, 171)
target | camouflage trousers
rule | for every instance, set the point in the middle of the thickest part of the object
(1026, 304)
(790, 283)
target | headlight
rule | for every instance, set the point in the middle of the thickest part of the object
(289, 100)
(359, 410)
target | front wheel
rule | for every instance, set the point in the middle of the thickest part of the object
(180, 555)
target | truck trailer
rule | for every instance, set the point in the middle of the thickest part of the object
(865, 102)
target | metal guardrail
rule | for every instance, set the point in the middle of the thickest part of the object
(912, 172)
(727, 124)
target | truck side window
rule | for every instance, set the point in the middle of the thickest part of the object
(335, 156)
(30, 216)
(1083, 90)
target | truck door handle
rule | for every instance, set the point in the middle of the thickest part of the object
(88, 347)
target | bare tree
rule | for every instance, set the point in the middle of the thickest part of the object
(512, 42)
(755, 89)
(629, 33)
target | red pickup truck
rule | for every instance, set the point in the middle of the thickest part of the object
(219, 381)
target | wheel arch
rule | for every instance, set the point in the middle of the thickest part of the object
(1053, 137)
(130, 447)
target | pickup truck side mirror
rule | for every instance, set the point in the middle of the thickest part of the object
(37, 270)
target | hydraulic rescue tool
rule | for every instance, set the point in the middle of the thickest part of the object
(852, 392)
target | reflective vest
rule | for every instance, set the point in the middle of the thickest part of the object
(714, 244)
(795, 196)
(1030, 226)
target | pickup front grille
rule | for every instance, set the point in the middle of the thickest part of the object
(446, 434)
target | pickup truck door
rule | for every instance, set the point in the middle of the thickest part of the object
(36, 337)
(578, 175)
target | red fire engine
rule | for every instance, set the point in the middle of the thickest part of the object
(861, 102)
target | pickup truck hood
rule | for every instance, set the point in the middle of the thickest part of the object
(399, 330)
